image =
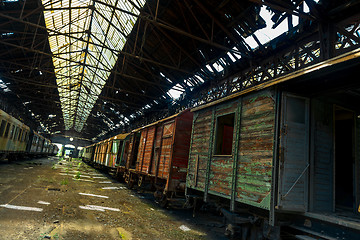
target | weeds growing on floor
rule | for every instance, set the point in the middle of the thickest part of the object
(64, 182)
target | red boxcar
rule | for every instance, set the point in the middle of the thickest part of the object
(158, 153)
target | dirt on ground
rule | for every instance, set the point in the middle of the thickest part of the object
(49, 198)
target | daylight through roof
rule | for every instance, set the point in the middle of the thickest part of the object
(85, 37)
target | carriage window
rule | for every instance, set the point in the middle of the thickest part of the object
(12, 132)
(2, 127)
(25, 136)
(16, 133)
(224, 134)
(20, 134)
(295, 110)
(7, 130)
(115, 146)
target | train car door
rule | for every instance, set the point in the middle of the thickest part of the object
(294, 154)
(345, 165)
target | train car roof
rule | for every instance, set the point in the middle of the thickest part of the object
(160, 121)
(311, 69)
(17, 121)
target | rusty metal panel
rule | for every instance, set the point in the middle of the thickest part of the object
(198, 156)
(146, 146)
(181, 148)
(254, 173)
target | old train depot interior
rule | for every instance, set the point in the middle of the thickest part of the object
(227, 119)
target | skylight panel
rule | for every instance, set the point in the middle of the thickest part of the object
(82, 60)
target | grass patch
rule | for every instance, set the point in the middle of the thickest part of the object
(64, 182)
(77, 176)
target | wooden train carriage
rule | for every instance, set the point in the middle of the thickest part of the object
(13, 134)
(232, 148)
(89, 153)
(159, 153)
(46, 146)
(115, 150)
(100, 152)
(288, 153)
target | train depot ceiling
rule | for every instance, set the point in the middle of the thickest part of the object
(93, 68)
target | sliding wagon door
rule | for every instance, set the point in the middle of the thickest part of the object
(166, 148)
(294, 154)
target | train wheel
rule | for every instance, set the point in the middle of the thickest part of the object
(161, 199)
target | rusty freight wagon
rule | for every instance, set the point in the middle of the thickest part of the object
(158, 153)
(287, 153)
(115, 150)
(89, 152)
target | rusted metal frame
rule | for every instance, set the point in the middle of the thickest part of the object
(64, 8)
(162, 70)
(287, 9)
(101, 46)
(188, 29)
(349, 36)
(210, 153)
(111, 24)
(156, 10)
(177, 44)
(226, 31)
(182, 32)
(59, 33)
(22, 9)
(275, 160)
(148, 71)
(116, 8)
(197, 21)
(48, 103)
(137, 35)
(27, 81)
(287, 15)
(236, 147)
(134, 5)
(166, 49)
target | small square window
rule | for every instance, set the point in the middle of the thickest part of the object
(224, 134)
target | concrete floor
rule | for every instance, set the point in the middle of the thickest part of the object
(47, 198)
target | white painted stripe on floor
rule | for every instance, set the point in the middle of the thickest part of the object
(22, 208)
(105, 208)
(114, 188)
(91, 208)
(100, 177)
(81, 175)
(42, 202)
(106, 182)
(93, 195)
(84, 180)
